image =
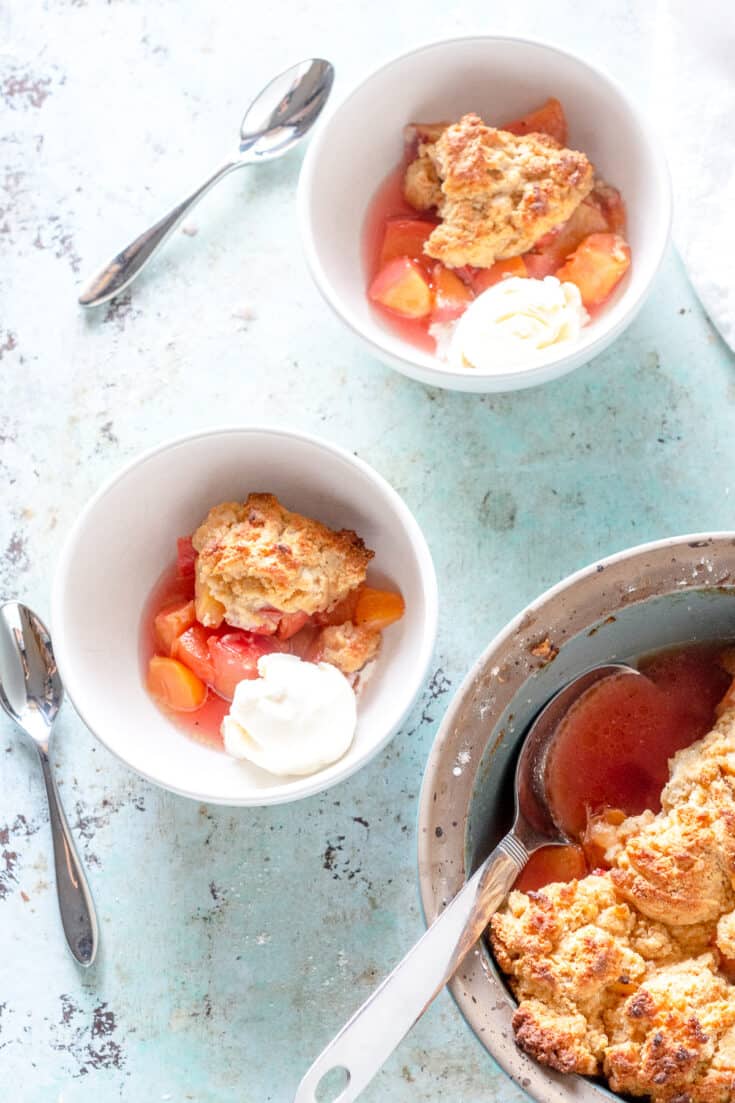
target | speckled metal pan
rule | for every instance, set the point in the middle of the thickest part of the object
(652, 596)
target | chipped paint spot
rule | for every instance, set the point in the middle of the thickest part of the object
(10, 834)
(89, 1038)
(120, 309)
(60, 241)
(20, 91)
(439, 685)
(7, 342)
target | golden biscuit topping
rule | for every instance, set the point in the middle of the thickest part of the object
(621, 972)
(257, 557)
(496, 193)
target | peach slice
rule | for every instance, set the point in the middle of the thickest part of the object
(547, 119)
(290, 624)
(378, 608)
(588, 218)
(597, 266)
(171, 622)
(401, 286)
(405, 237)
(482, 278)
(175, 685)
(192, 649)
(451, 295)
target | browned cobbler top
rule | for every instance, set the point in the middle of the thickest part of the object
(624, 972)
(496, 193)
(256, 556)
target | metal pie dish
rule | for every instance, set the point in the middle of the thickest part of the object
(674, 591)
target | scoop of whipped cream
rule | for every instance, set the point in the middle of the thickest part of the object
(514, 323)
(294, 719)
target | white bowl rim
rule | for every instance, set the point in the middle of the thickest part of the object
(430, 365)
(313, 783)
(536, 1078)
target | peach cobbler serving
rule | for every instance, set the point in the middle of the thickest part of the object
(259, 636)
(622, 956)
(493, 245)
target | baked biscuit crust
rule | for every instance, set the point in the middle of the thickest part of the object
(256, 557)
(349, 646)
(495, 192)
(621, 972)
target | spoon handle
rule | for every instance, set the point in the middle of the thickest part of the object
(75, 900)
(374, 1031)
(125, 266)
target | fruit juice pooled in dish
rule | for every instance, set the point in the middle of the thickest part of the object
(494, 245)
(611, 754)
(258, 638)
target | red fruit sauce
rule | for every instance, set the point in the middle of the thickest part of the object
(614, 745)
(202, 724)
(388, 202)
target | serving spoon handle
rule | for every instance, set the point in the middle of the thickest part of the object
(367, 1040)
(126, 265)
(75, 900)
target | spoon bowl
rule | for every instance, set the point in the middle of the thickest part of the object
(286, 109)
(374, 1031)
(31, 692)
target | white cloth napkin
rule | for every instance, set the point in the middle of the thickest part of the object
(694, 105)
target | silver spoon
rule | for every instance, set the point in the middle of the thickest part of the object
(374, 1031)
(279, 117)
(31, 694)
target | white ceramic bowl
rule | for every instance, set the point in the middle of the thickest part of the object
(126, 536)
(499, 78)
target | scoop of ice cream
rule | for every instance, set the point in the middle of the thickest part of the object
(514, 323)
(295, 718)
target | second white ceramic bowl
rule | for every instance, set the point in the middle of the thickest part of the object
(361, 142)
(126, 536)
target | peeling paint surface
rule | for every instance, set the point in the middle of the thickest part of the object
(235, 943)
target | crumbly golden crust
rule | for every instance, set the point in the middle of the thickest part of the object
(421, 184)
(620, 973)
(496, 193)
(349, 646)
(257, 556)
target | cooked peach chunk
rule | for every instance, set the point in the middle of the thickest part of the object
(192, 649)
(186, 557)
(610, 202)
(451, 295)
(290, 624)
(552, 863)
(171, 622)
(547, 119)
(378, 608)
(175, 685)
(588, 218)
(482, 278)
(401, 286)
(597, 266)
(405, 237)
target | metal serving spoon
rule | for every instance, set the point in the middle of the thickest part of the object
(31, 693)
(374, 1031)
(279, 117)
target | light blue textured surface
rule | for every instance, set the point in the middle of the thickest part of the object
(234, 944)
